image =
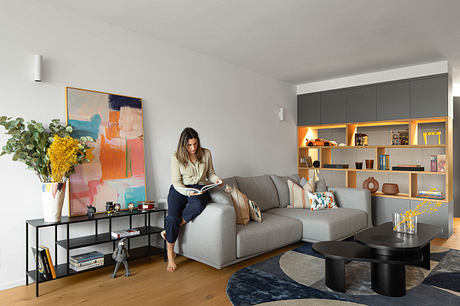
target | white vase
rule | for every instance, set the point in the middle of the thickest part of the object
(52, 200)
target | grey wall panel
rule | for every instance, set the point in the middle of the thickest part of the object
(428, 97)
(383, 208)
(362, 104)
(308, 109)
(393, 100)
(334, 107)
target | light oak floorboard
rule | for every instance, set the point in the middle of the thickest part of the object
(192, 284)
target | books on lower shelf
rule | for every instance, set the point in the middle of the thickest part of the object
(86, 261)
(125, 233)
(435, 195)
(45, 263)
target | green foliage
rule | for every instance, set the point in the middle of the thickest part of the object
(28, 143)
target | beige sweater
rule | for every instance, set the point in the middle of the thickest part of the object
(192, 173)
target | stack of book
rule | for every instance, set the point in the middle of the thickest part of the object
(86, 261)
(436, 195)
(125, 233)
(384, 162)
(45, 264)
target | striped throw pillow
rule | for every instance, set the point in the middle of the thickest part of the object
(297, 196)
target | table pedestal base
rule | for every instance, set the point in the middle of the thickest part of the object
(388, 279)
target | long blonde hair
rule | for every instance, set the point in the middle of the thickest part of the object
(182, 153)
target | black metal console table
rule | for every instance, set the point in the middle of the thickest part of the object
(63, 270)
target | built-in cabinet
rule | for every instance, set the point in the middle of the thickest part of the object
(412, 98)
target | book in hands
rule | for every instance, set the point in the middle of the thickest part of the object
(203, 189)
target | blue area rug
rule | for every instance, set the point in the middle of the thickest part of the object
(297, 278)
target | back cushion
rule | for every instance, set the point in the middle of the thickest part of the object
(282, 187)
(259, 189)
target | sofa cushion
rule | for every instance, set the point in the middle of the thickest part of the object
(229, 181)
(297, 196)
(272, 233)
(282, 187)
(260, 189)
(241, 204)
(327, 224)
(218, 195)
(254, 211)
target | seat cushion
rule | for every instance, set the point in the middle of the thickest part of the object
(260, 189)
(326, 224)
(273, 232)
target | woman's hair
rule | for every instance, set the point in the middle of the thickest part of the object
(182, 153)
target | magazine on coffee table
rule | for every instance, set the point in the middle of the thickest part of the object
(203, 189)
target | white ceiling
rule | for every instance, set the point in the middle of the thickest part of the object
(296, 41)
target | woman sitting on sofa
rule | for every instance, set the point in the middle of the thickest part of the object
(191, 167)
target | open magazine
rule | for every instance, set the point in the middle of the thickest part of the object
(203, 189)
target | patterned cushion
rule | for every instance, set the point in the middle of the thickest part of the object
(240, 202)
(254, 211)
(297, 196)
(321, 200)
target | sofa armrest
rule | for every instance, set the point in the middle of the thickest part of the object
(211, 237)
(356, 198)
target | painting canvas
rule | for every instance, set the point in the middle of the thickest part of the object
(116, 171)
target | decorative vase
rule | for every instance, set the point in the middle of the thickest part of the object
(371, 184)
(52, 200)
(402, 225)
(390, 188)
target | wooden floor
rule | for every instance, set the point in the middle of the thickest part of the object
(192, 284)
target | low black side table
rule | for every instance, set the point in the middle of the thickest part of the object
(63, 270)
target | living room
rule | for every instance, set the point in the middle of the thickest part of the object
(233, 71)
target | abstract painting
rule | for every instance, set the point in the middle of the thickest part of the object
(116, 171)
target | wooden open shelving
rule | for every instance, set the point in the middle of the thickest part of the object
(324, 153)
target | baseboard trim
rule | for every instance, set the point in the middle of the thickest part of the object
(12, 284)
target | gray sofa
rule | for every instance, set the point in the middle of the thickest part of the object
(215, 239)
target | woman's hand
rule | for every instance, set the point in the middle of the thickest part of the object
(193, 193)
(219, 181)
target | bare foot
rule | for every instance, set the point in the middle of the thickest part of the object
(171, 262)
(163, 234)
(182, 222)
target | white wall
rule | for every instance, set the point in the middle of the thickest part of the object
(233, 109)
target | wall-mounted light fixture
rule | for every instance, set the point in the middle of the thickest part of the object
(281, 113)
(37, 68)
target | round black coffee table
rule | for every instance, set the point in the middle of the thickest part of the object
(389, 252)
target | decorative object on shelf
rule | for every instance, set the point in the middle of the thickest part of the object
(117, 207)
(120, 255)
(441, 163)
(309, 162)
(50, 152)
(118, 172)
(369, 164)
(90, 212)
(371, 184)
(145, 205)
(360, 139)
(408, 168)
(436, 133)
(125, 233)
(404, 224)
(358, 165)
(320, 142)
(305, 161)
(316, 164)
(109, 207)
(131, 206)
(399, 137)
(390, 188)
(337, 166)
(342, 144)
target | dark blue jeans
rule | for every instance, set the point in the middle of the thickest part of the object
(180, 206)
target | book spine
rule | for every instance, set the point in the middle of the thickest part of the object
(46, 264)
(434, 163)
(41, 266)
(387, 162)
(50, 262)
(81, 260)
(381, 162)
(78, 269)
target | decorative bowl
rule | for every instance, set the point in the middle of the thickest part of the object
(390, 188)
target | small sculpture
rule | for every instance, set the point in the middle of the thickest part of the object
(117, 207)
(131, 206)
(109, 207)
(91, 211)
(120, 255)
(371, 184)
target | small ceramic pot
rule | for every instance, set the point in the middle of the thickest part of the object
(359, 165)
(369, 164)
(389, 188)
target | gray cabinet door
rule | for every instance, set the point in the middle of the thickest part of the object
(383, 209)
(308, 109)
(362, 104)
(442, 217)
(393, 100)
(334, 107)
(428, 97)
